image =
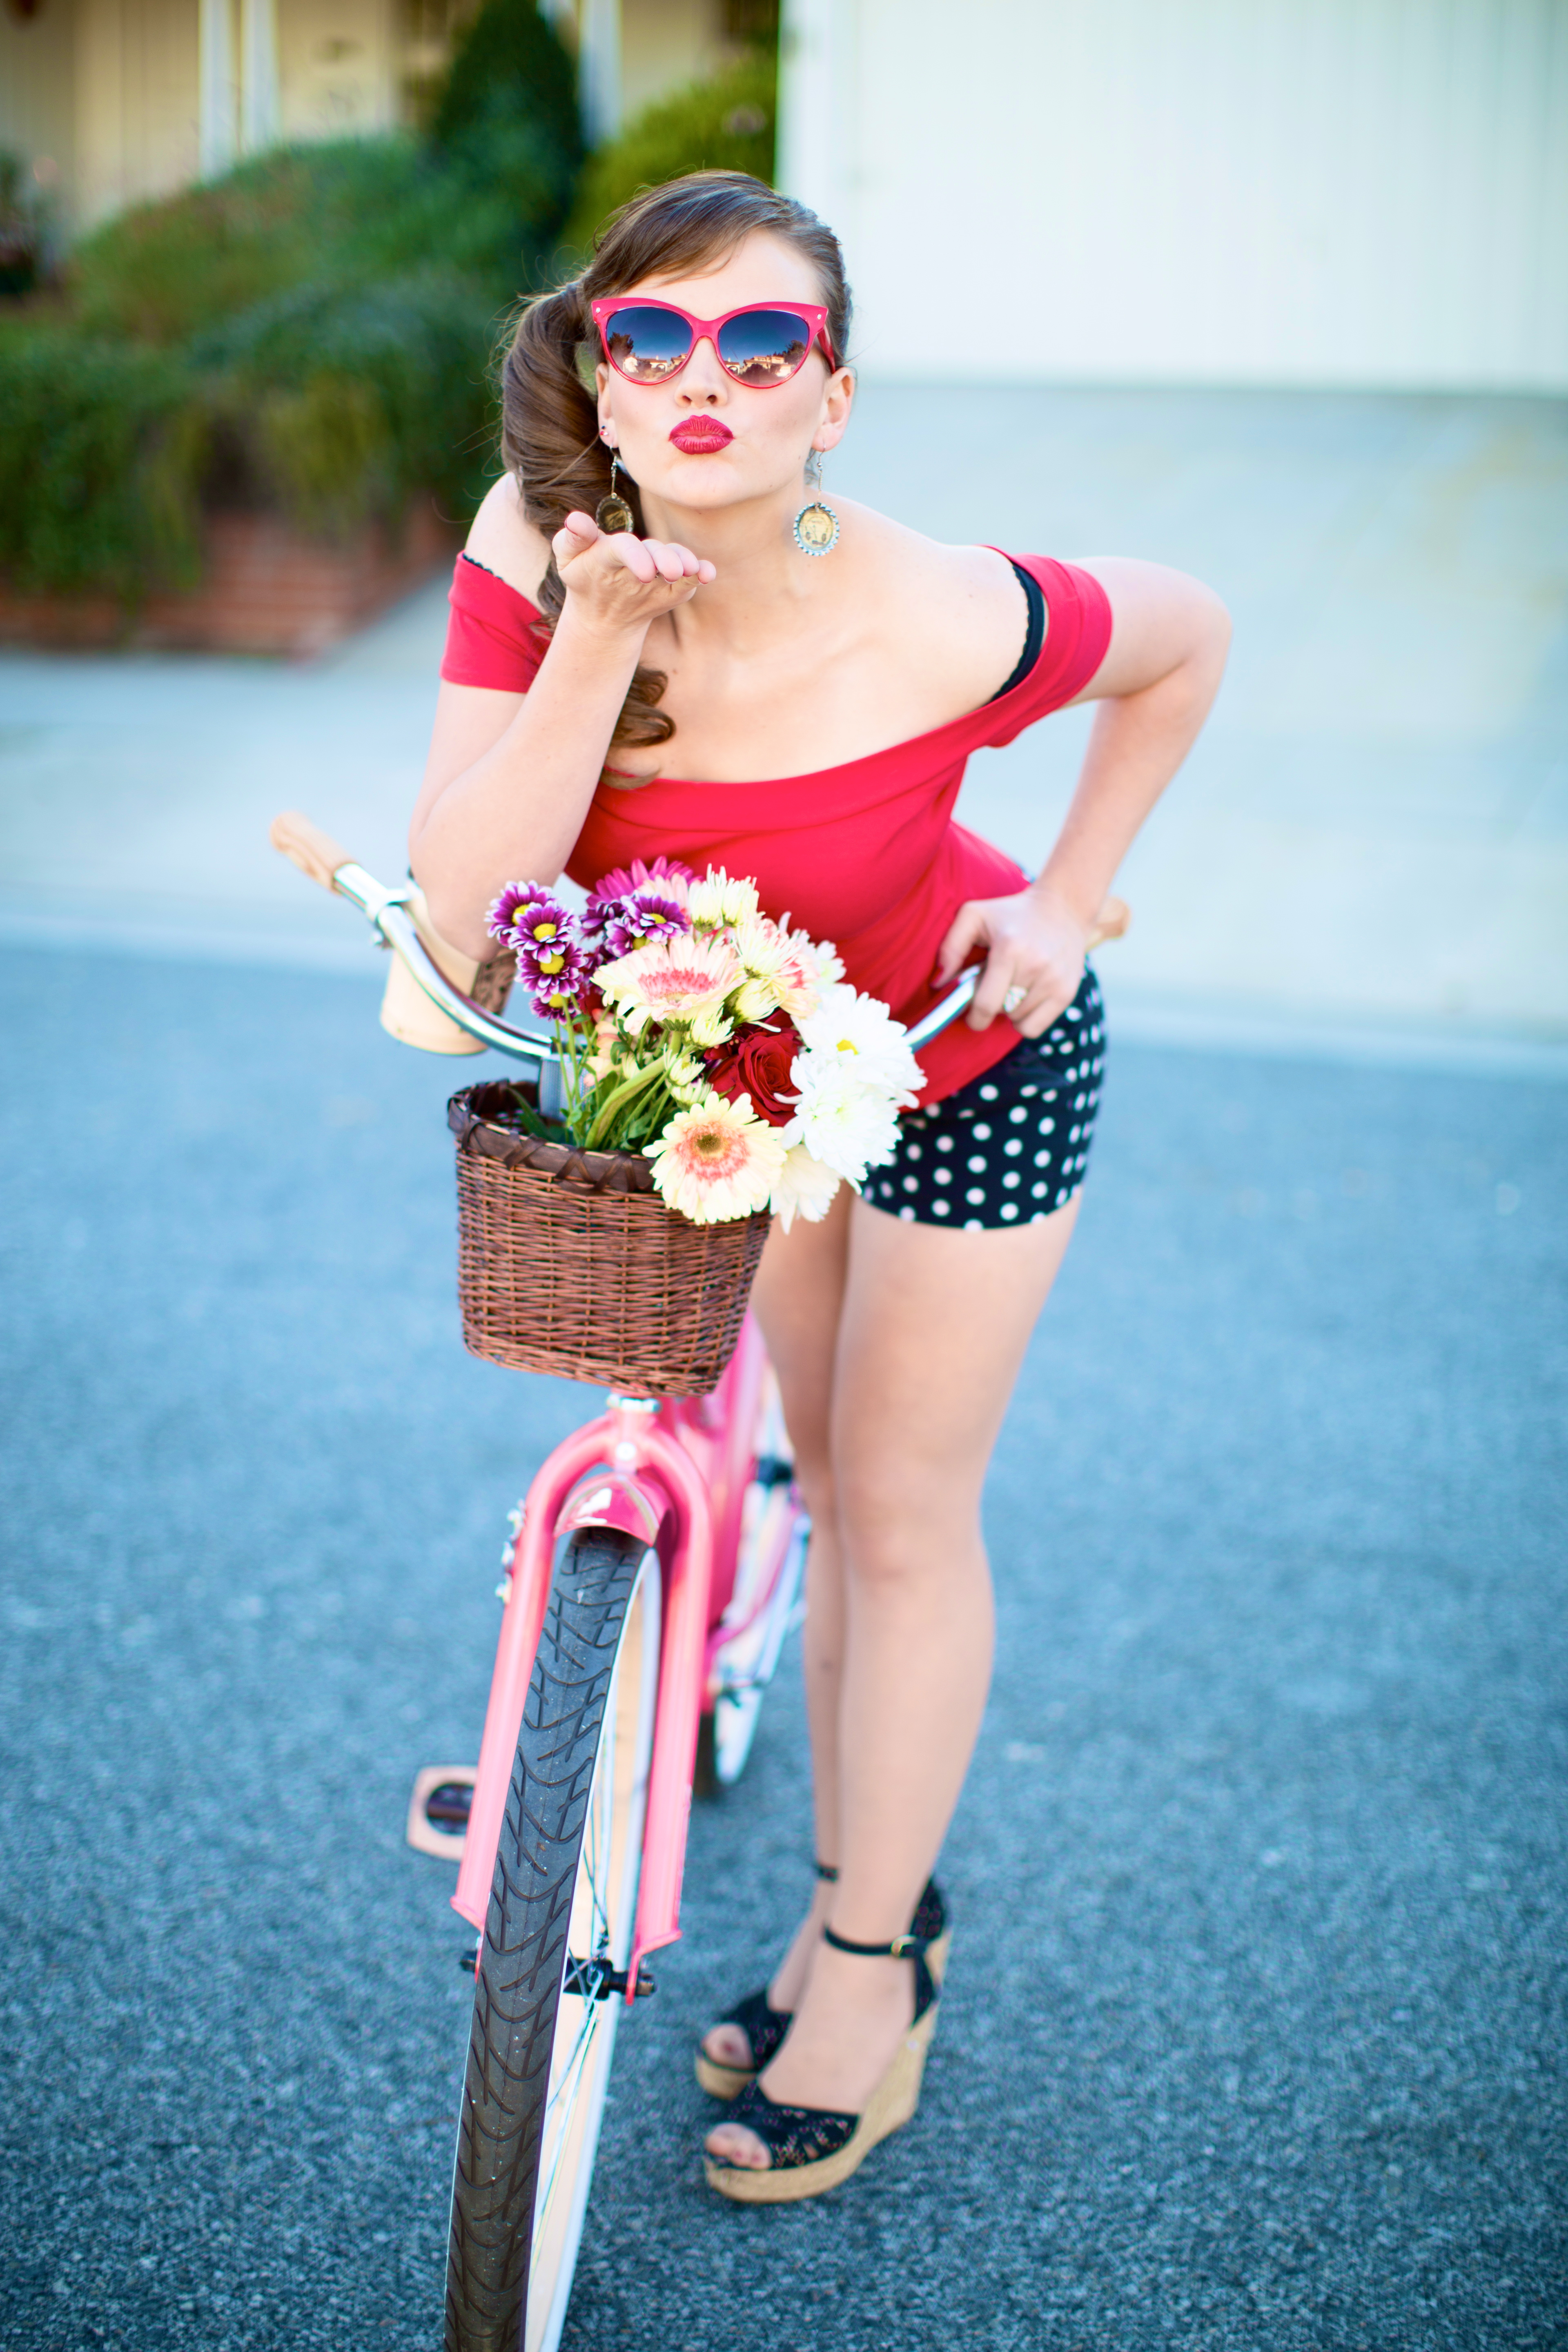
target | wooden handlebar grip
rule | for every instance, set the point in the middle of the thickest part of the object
(315, 853)
(1112, 921)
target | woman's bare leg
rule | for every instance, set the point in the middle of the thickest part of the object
(798, 1300)
(933, 1329)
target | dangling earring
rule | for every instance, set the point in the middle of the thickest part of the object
(817, 525)
(612, 513)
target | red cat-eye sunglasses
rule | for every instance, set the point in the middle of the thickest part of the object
(761, 344)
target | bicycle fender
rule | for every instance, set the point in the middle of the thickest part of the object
(611, 1498)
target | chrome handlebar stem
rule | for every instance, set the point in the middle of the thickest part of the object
(387, 913)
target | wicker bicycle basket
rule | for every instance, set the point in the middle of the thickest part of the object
(569, 1262)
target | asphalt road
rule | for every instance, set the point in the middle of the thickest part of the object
(1254, 2036)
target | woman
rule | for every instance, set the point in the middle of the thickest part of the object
(698, 686)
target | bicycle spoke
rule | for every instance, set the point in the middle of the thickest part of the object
(558, 2123)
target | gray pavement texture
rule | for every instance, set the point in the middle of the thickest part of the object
(1253, 2039)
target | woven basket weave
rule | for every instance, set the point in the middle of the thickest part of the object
(569, 1262)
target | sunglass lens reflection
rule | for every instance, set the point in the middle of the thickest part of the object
(764, 347)
(645, 342)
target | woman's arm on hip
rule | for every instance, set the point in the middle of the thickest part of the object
(1168, 638)
(1161, 672)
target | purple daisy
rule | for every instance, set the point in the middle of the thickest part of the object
(642, 915)
(556, 973)
(622, 881)
(500, 914)
(527, 916)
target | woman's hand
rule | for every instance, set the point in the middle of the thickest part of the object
(1035, 941)
(618, 582)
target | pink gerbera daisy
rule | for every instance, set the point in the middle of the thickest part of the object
(717, 1162)
(684, 980)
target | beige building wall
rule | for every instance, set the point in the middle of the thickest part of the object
(38, 98)
(631, 52)
(137, 108)
(341, 65)
(102, 100)
(112, 102)
(665, 44)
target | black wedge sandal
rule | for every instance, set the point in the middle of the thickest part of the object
(764, 2026)
(812, 2149)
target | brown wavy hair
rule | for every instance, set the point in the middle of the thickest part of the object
(549, 420)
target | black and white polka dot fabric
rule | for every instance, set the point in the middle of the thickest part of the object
(1011, 1146)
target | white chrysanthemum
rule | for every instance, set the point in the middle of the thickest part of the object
(804, 1188)
(720, 899)
(842, 1121)
(862, 1031)
(682, 979)
(822, 959)
(717, 1161)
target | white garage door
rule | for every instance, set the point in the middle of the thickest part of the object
(1289, 192)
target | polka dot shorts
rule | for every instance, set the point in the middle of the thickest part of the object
(1010, 1147)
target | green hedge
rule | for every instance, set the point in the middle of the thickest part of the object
(313, 333)
(726, 124)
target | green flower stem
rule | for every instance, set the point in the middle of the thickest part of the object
(610, 1111)
(576, 1040)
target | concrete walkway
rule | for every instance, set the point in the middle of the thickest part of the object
(1367, 853)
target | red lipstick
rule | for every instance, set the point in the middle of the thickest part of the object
(698, 436)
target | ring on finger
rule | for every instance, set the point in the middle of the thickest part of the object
(1014, 998)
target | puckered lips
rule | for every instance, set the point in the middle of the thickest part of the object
(698, 436)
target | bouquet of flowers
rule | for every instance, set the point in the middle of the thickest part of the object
(728, 1047)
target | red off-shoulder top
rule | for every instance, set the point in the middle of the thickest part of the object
(866, 854)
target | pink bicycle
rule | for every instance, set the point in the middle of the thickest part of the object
(650, 1579)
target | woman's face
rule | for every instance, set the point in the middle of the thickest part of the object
(771, 427)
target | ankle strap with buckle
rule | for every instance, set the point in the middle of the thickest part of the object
(907, 1946)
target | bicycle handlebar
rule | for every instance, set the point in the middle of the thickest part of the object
(325, 861)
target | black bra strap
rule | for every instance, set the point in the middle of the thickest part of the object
(828, 1870)
(1036, 636)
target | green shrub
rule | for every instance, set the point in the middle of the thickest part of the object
(725, 125)
(101, 459)
(511, 71)
(311, 333)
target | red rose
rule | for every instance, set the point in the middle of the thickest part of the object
(756, 1061)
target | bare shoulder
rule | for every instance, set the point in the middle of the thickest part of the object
(504, 540)
(960, 613)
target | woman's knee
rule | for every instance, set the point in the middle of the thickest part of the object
(899, 1532)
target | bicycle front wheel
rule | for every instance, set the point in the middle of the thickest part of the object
(557, 1938)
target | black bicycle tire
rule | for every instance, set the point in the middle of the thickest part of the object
(523, 1956)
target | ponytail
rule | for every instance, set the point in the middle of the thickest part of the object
(551, 446)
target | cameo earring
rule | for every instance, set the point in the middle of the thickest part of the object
(817, 525)
(612, 513)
